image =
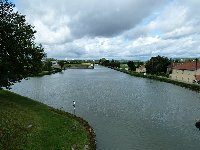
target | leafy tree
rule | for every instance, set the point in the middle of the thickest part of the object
(51, 59)
(106, 63)
(131, 65)
(117, 64)
(139, 63)
(102, 60)
(47, 65)
(61, 63)
(157, 65)
(20, 57)
(114, 64)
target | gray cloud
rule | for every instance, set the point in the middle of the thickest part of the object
(132, 29)
(90, 18)
(110, 18)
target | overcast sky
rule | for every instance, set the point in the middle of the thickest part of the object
(115, 29)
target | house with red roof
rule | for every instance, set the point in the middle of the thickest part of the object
(186, 72)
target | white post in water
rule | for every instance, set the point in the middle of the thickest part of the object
(93, 63)
(74, 107)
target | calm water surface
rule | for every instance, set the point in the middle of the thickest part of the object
(127, 113)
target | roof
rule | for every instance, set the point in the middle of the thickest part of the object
(141, 67)
(171, 65)
(187, 66)
(197, 77)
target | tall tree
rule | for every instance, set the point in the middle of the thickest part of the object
(157, 65)
(131, 65)
(20, 57)
(47, 65)
(114, 64)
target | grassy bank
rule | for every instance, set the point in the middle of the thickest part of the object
(193, 87)
(79, 66)
(27, 124)
(48, 72)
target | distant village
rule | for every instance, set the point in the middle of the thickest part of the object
(180, 69)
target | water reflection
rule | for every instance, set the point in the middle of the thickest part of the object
(126, 112)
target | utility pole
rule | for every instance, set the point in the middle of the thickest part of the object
(196, 64)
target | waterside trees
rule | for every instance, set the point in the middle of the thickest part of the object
(157, 65)
(20, 57)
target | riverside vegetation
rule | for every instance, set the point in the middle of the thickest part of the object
(193, 87)
(156, 69)
(27, 124)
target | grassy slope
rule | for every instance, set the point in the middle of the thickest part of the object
(27, 124)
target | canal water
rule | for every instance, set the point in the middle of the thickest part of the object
(127, 113)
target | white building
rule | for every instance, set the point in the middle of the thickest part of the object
(141, 69)
(55, 64)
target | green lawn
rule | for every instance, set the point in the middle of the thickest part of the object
(27, 124)
(123, 66)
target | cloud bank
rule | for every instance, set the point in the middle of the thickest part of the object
(118, 29)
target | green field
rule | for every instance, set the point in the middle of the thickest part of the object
(123, 66)
(27, 124)
(78, 66)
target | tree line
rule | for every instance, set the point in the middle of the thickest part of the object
(156, 65)
(113, 63)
